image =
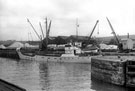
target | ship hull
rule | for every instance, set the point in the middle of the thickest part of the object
(71, 58)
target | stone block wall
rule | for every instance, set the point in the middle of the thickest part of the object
(108, 70)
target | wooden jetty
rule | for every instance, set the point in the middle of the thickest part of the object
(6, 86)
(114, 69)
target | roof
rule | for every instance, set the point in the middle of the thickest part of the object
(104, 46)
(2, 46)
(90, 48)
(125, 39)
(16, 45)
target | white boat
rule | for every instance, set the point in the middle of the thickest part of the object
(69, 56)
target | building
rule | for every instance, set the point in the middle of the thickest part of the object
(127, 43)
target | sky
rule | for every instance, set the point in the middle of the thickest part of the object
(64, 13)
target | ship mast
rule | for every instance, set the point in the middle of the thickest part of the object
(41, 30)
(47, 29)
(77, 25)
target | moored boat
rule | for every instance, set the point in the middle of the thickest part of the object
(67, 56)
(70, 53)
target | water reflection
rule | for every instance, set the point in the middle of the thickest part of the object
(42, 76)
(102, 86)
(64, 76)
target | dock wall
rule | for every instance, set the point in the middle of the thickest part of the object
(108, 70)
(9, 53)
(130, 73)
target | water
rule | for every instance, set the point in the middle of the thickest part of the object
(42, 76)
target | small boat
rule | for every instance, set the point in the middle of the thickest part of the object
(68, 56)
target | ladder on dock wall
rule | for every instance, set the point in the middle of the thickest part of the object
(130, 73)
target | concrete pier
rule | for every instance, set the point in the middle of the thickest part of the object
(111, 70)
(119, 70)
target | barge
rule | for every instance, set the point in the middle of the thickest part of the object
(118, 70)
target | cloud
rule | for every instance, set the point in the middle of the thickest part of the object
(63, 14)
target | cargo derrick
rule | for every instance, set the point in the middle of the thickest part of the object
(89, 38)
(43, 43)
(120, 46)
(92, 31)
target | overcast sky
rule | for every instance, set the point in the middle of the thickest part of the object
(63, 13)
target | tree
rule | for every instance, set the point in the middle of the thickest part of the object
(58, 40)
(112, 42)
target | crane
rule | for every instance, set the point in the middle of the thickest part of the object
(113, 32)
(85, 43)
(92, 31)
(120, 46)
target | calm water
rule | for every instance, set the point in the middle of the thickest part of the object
(41, 76)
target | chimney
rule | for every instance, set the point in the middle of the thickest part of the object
(128, 35)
